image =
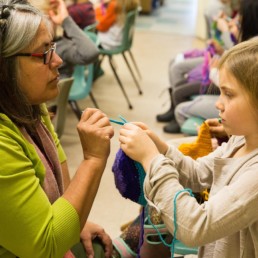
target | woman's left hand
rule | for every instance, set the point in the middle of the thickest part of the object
(89, 233)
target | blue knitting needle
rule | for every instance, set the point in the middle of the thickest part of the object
(116, 122)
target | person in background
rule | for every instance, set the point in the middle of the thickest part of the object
(204, 105)
(73, 46)
(43, 213)
(111, 18)
(180, 68)
(82, 12)
(212, 10)
(225, 225)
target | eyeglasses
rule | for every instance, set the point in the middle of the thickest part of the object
(47, 55)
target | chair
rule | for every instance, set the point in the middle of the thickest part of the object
(60, 103)
(122, 49)
(81, 87)
(190, 126)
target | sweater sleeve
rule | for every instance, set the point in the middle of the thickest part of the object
(30, 225)
(78, 48)
(106, 20)
(229, 209)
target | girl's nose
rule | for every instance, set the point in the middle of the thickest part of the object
(219, 105)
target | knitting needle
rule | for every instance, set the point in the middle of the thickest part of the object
(116, 122)
(123, 119)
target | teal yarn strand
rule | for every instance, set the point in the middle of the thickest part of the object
(175, 218)
(172, 245)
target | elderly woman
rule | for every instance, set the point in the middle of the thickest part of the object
(42, 212)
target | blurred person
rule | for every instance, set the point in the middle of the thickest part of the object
(82, 12)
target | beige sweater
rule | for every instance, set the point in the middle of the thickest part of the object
(226, 226)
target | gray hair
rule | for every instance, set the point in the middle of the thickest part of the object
(21, 26)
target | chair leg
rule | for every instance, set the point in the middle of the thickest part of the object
(76, 109)
(131, 71)
(120, 83)
(135, 65)
(94, 100)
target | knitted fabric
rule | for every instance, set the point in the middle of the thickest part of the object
(201, 147)
(129, 174)
(129, 177)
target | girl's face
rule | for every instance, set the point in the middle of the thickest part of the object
(37, 80)
(239, 117)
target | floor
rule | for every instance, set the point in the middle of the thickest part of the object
(168, 30)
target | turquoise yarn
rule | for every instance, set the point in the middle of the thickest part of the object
(172, 245)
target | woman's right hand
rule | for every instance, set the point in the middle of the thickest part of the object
(95, 132)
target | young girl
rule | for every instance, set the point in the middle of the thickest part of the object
(227, 224)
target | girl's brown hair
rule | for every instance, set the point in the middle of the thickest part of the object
(242, 62)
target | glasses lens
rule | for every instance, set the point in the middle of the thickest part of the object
(49, 54)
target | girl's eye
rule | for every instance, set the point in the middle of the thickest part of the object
(228, 94)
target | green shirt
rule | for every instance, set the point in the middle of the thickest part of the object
(29, 225)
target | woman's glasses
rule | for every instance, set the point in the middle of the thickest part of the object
(46, 56)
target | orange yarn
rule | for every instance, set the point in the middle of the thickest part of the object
(201, 147)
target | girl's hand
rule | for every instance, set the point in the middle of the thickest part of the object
(136, 143)
(216, 128)
(95, 133)
(161, 145)
(214, 62)
(218, 48)
(222, 24)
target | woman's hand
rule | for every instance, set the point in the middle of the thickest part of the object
(58, 11)
(95, 132)
(89, 233)
(136, 143)
(161, 145)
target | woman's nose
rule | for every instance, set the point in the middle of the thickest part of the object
(56, 60)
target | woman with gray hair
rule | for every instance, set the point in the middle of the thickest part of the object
(43, 213)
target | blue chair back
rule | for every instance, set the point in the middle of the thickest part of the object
(129, 29)
(82, 84)
(128, 32)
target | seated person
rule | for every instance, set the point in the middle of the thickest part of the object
(111, 19)
(180, 70)
(82, 12)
